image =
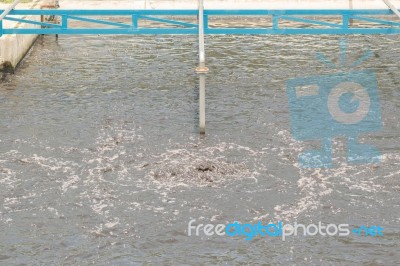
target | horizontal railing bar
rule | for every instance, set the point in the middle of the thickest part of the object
(305, 12)
(94, 12)
(300, 31)
(216, 31)
(114, 31)
(321, 12)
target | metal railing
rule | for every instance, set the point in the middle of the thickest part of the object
(380, 21)
(307, 21)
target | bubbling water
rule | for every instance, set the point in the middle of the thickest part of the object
(183, 167)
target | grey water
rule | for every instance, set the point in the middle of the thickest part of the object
(101, 162)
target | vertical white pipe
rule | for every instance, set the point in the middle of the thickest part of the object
(202, 56)
(350, 21)
(202, 103)
(202, 70)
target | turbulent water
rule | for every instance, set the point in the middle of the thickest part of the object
(101, 162)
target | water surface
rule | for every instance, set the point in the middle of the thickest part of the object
(101, 162)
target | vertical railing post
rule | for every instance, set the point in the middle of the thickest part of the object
(202, 70)
(345, 22)
(275, 22)
(205, 22)
(64, 21)
(135, 22)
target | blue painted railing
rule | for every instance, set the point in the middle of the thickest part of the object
(311, 22)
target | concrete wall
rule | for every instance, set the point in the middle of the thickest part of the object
(13, 48)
